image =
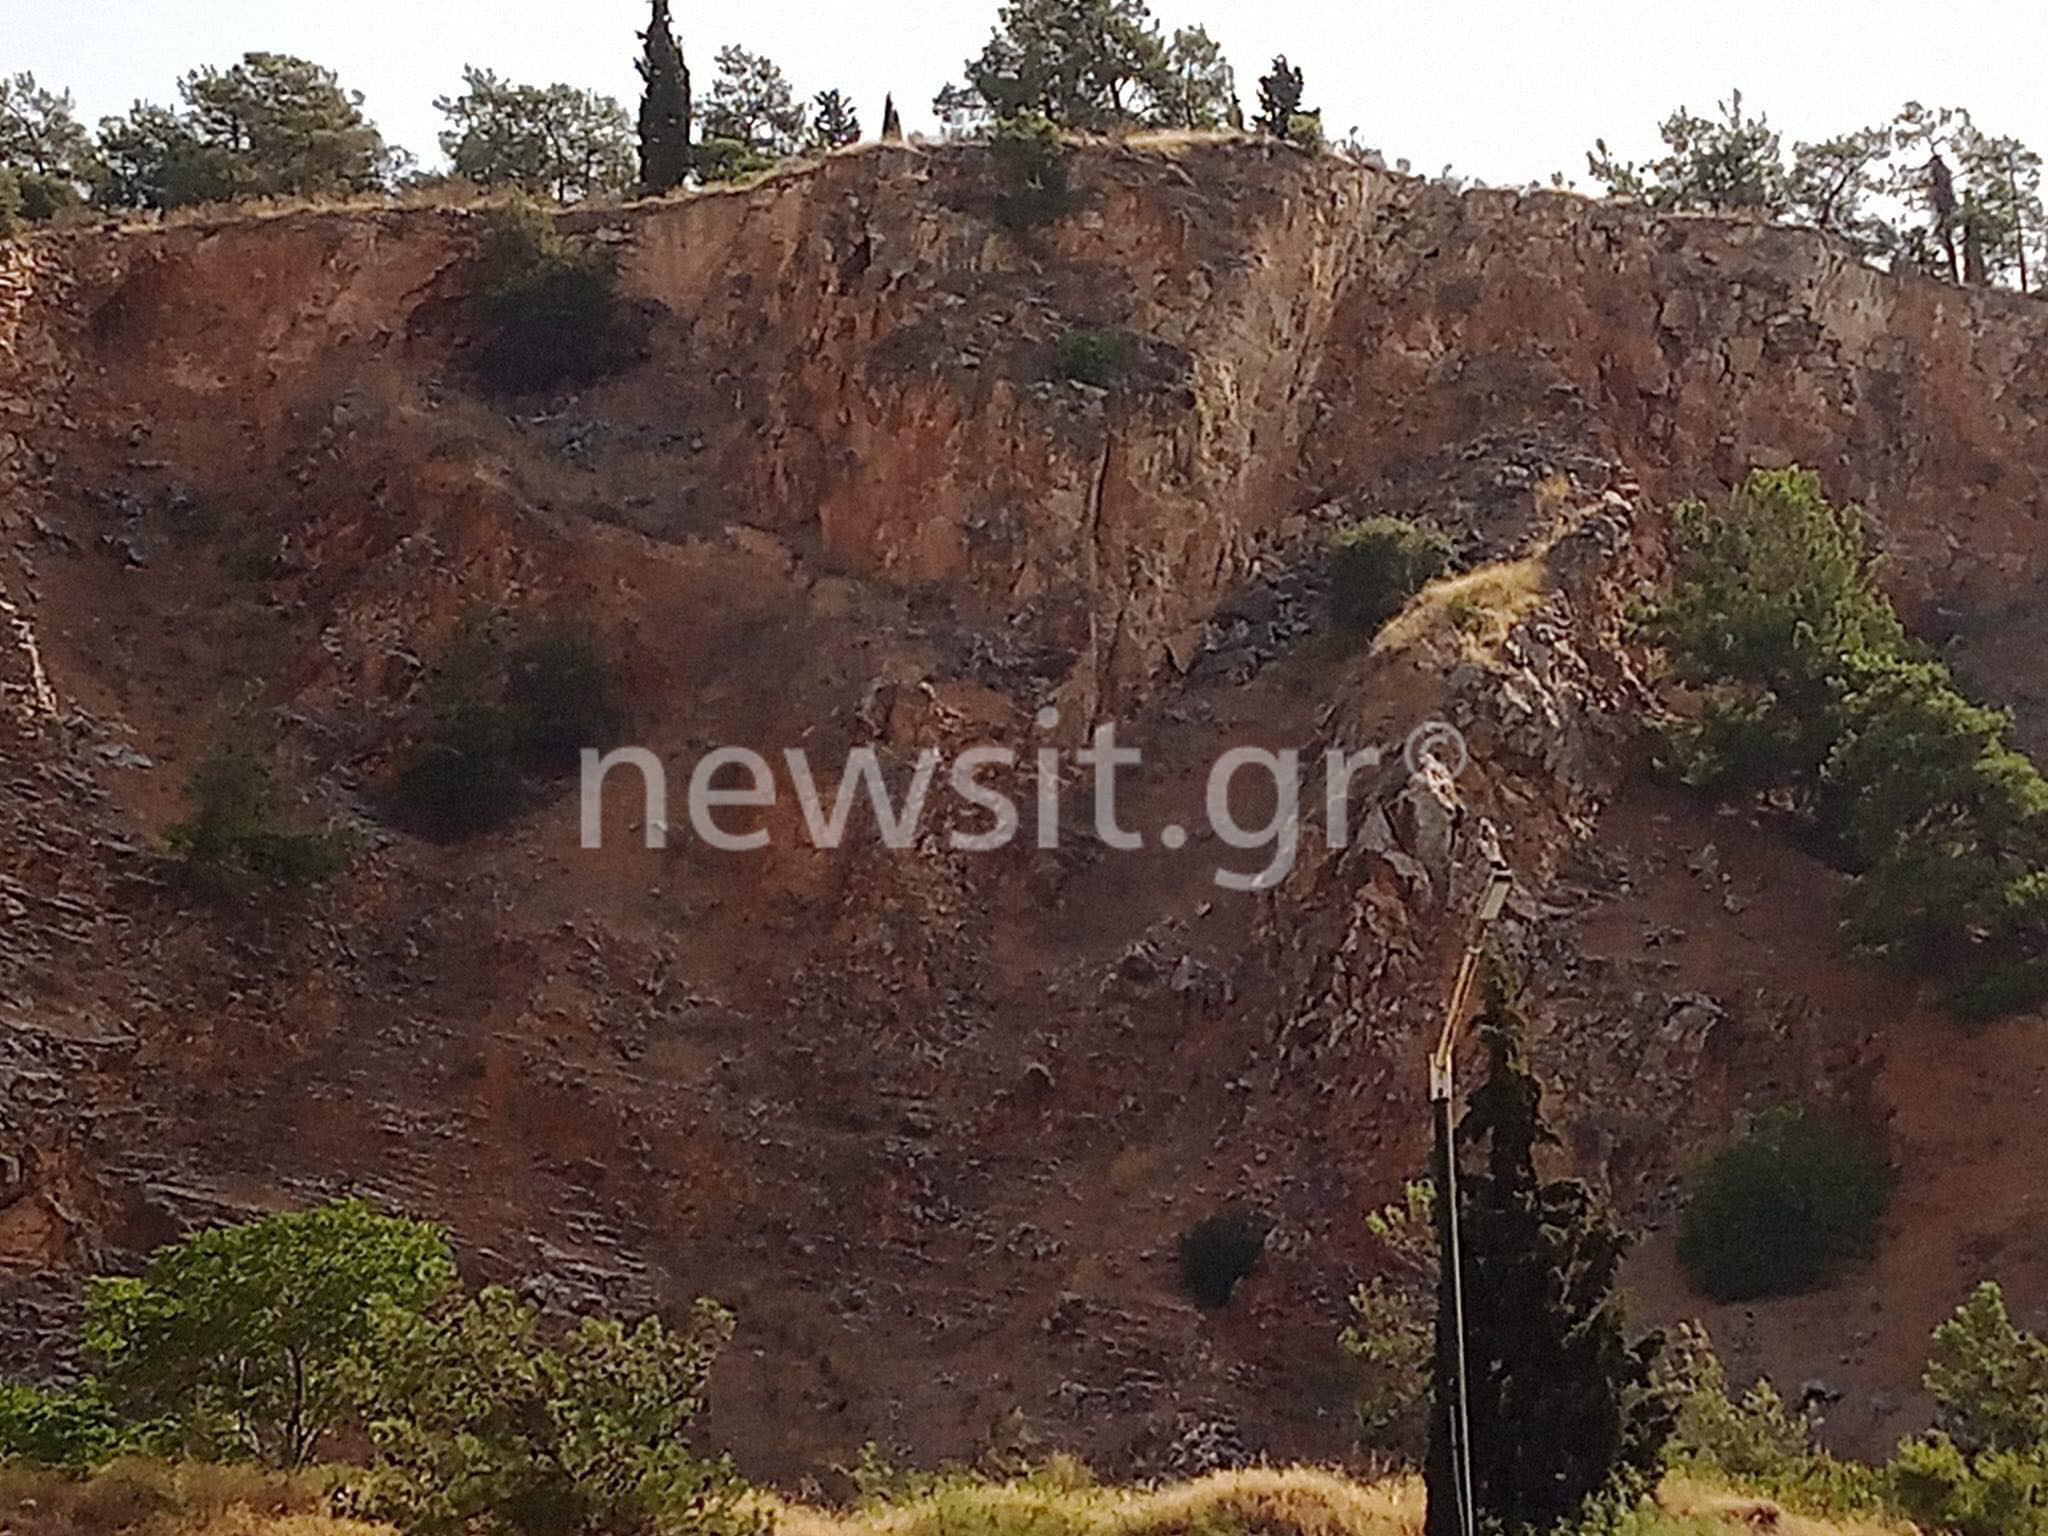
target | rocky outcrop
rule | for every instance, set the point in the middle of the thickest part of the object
(931, 1121)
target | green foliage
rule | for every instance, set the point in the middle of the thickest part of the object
(1806, 688)
(552, 310)
(1031, 165)
(1091, 66)
(1219, 1251)
(270, 126)
(1782, 1208)
(1198, 89)
(1772, 591)
(1377, 564)
(1545, 1332)
(10, 203)
(1755, 1438)
(1989, 1379)
(241, 1337)
(1833, 183)
(751, 103)
(506, 699)
(556, 141)
(480, 1424)
(728, 160)
(236, 836)
(1092, 357)
(1280, 93)
(77, 1428)
(1984, 1470)
(1393, 1324)
(665, 106)
(1999, 1493)
(1929, 188)
(40, 134)
(834, 123)
(1729, 164)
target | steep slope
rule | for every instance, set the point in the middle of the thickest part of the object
(932, 1121)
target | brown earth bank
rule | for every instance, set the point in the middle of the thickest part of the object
(932, 1121)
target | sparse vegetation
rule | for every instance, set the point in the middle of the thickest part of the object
(1393, 1325)
(551, 309)
(1093, 357)
(507, 700)
(1218, 1252)
(1781, 1208)
(1031, 167)
(1803, 687)
(1377, 564)
(237, 836)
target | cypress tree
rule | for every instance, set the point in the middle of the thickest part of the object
(664, 107)
(1562, 1408)
(892, 121)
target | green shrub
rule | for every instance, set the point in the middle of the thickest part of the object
(1988, 1379)
(1093, 357)
(1031, 164)
(77, 1428)
(1939, 1488)
(552, 310)
(45, 197)
(10, 203)
(1219, 1251)
(1778, 1210)
(1377, 564)
(728, 160)
(1392, 1333)
(1755, 1438)
(235, 838)
(240, 1337)
(1807, 688)
(479, 1424)
(506, 700)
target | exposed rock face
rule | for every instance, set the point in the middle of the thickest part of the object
(931, 1120)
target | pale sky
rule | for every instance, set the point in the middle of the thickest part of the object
(1505, 90)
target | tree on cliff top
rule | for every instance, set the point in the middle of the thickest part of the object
(270, 126)
(1544, 1329)
(664, 106)
(752, 103)
(1096, 66)
(1281, 113)
(556, 141)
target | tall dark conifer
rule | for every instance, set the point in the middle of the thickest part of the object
(664, 107)
(1562, 1406)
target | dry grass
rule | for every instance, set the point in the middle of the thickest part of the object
(1478, 608)
(140, 1498)
(144, 1498)
(1060, 1501)
(1708, 1509)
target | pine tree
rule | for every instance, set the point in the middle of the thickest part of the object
(892, 121)
(664, 107)
(1544, 1341)
(834, 124)
(1279, 99)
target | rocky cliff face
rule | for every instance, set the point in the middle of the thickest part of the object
(932, 1121)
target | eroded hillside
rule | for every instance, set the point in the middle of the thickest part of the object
(932, 1121)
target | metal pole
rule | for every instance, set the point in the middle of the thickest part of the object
(1443, 1109)
(1451, 1257)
